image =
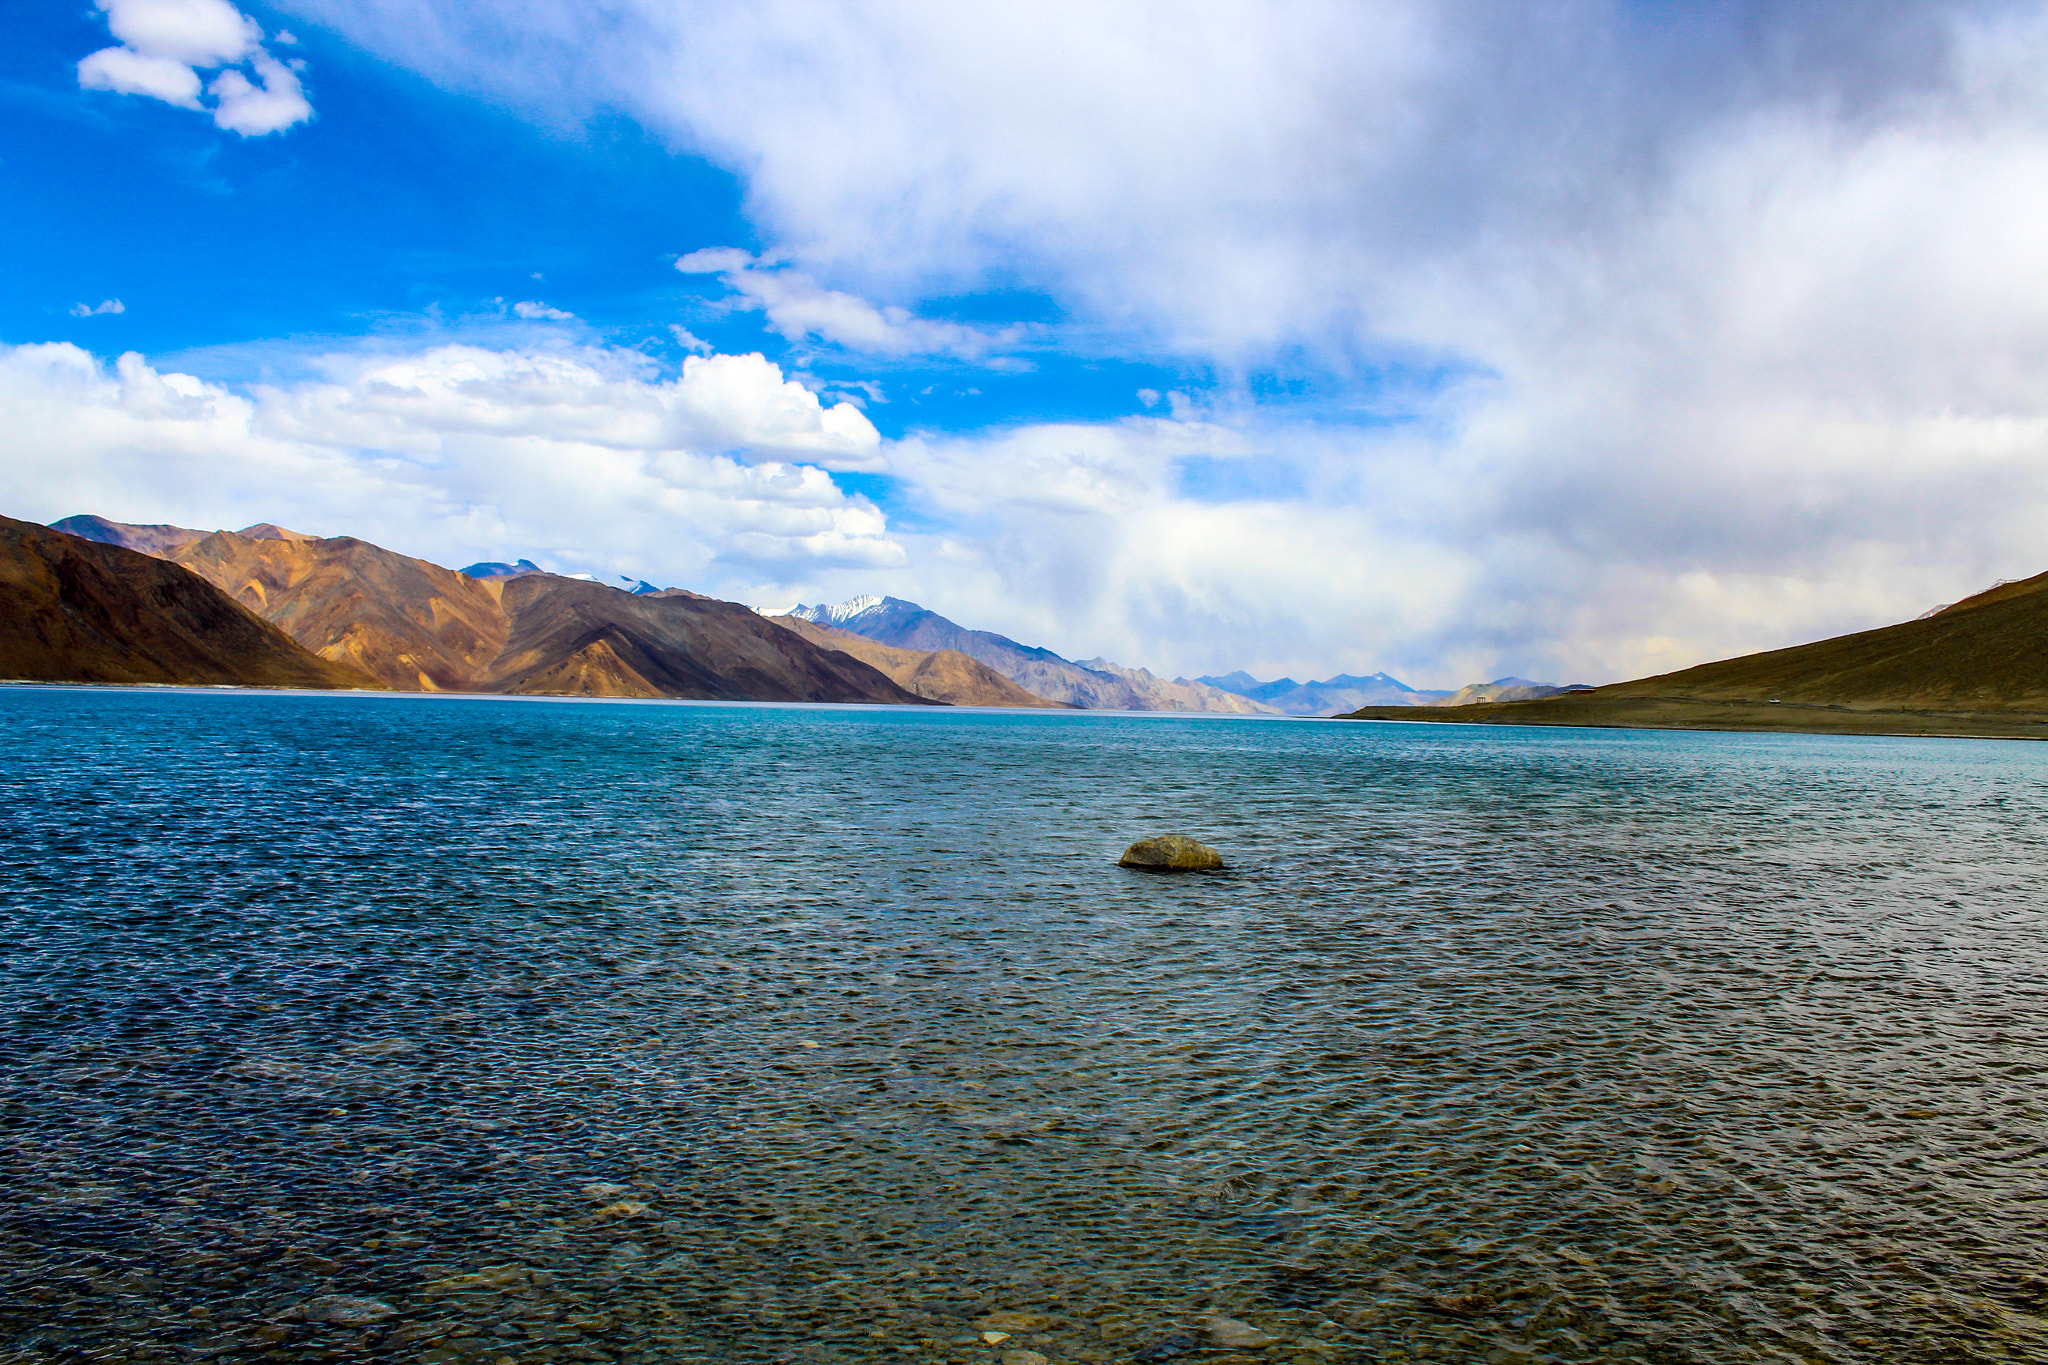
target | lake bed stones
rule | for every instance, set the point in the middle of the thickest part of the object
(1171, 853)
(344, 1310)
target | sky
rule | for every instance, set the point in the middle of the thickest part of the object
(1574, 341)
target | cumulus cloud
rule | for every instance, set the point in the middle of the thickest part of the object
(1721, 309)
(582, 460)
(722, 403)
(801, 309)
(88, 310)
(163, 46)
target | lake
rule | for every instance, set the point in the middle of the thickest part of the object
(456, 1029)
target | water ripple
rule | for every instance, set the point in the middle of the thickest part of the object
(413, 1029)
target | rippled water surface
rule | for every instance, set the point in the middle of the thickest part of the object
(359, 1028)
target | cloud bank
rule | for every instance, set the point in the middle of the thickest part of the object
(579, 459)
(1726, 314)
(164, 44)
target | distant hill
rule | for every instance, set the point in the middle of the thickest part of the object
(85, 609)
(495, 570)
(944, 675)
(1179, 694)
(416, 626)
(1979, 667)
(906, 625)
(1504, 689)
(1341, 693)
(521, 568)
(149, 540)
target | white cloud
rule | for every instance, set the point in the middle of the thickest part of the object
(799, 308)
(87, 310)
(165, 44)
(127, 72)
(1723, 313)
(599, 397)
(535, 311)
(194, 32)
(688, 340)
(271, 103)
(580, 460)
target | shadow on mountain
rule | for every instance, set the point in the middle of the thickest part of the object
(78, 610)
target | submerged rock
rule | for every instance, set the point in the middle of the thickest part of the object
(1171, 853)
(343, 1310)
(1014, 1322)
(1230, 1332)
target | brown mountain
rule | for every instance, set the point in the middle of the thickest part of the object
(1979, 667)
(416, 626)
(944, 675)
(421, 628)
(679, 646)
(75, 609)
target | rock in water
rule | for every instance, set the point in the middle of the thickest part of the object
(1171, 853)
(345, 1311)
(1230, 1332)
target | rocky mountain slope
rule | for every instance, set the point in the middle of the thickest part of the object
(944, 675)
(417, 626)
(675, 646)
(1976, 668)
(906, 625)
(74, 609)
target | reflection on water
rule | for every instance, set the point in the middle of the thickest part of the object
(413, 1029)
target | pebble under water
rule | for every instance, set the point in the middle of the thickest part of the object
(422, 1029)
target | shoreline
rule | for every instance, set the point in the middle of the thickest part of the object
(934, 708)
(1590, 710)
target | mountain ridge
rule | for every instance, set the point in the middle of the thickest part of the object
(420, 627)
(1325, 697)
(944, 675)
(906, 625)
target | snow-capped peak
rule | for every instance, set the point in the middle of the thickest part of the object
(844, 612)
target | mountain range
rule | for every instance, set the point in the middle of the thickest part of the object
(94, 600)
(367, 616)
(1341, 693)
(1096, 684)
(639, 587)
(1974, 668)
(1347, 693)
(944, 675)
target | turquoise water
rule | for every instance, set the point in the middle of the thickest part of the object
(380, 1028)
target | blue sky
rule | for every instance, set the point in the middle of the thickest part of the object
(1578, 343)
(402, 210)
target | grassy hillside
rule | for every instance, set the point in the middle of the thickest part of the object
(1979, 667)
